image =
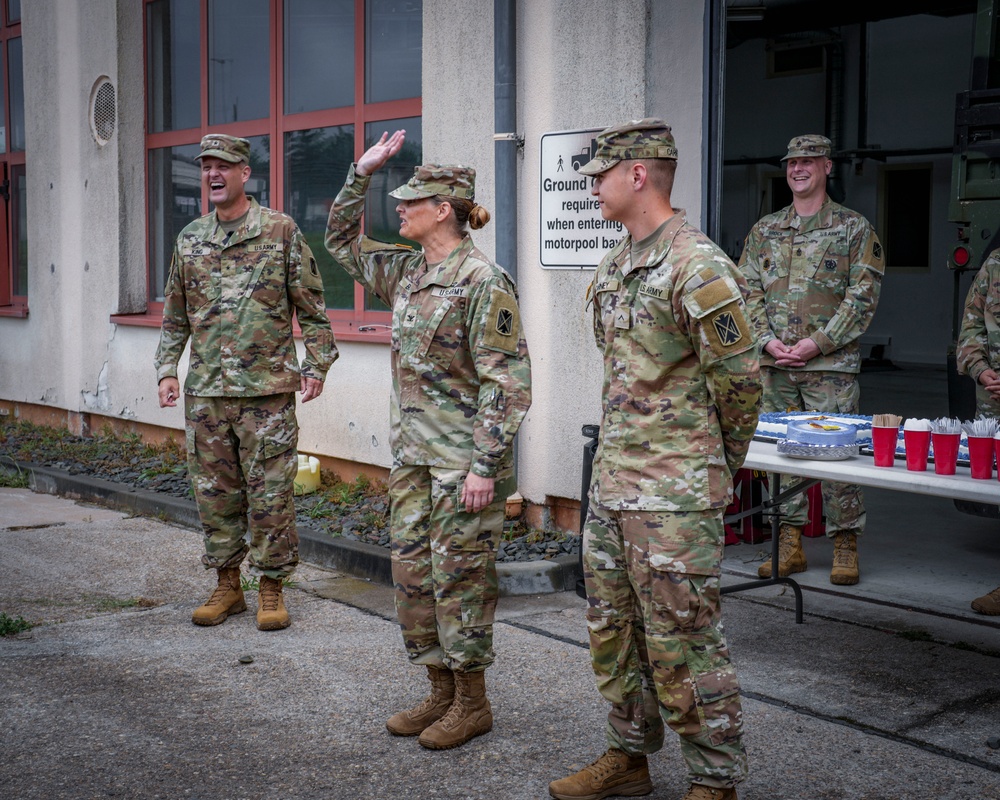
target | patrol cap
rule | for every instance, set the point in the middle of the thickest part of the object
(228, 148)
(811, 145)
(448, 180)
(640, 138)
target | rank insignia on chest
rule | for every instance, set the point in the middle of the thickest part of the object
(623, 318)
(410, 318)
(727, 328)
(830, 264)
(505, 322)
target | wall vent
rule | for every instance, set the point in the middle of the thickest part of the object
(103, 111)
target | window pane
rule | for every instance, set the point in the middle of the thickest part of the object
(15, 88)
(319, 54)
(13, 11)
(392, 56)
(173, 65)
(239, 54)
(3, 99)
(381, 219)
(316, 163)
(259, 184)
(174, 201)
(19, 233)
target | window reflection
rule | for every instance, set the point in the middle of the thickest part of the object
(15, 68)
(319, 54)
(316, 162)
(174, 200)
(259, 183)
(13, 11)
(239, 54)
(381, 219)
(19, 237)
(173, 65)
(392, 56)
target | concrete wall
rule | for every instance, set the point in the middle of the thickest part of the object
(581, 64)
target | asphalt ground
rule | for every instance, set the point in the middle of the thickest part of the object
(116, 694)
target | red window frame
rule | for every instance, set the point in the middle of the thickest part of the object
(345, 321)
(11, 304)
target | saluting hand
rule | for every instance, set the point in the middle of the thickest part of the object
(380, 152)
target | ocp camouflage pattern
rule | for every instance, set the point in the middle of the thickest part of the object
(461, 374)
(832, 393)
(242, 464)
(681, 375)
(818, 277)
(979, 339)
(656, 640)
(444, 567)
(235, 301)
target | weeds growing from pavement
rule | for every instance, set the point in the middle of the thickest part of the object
(9, 626)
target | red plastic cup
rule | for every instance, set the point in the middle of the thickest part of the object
(981, 457)
(917, 443)
(884, 444)
(945, 452)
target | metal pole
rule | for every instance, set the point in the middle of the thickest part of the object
(505, 137)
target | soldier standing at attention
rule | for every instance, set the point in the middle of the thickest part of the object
(681, 391)
(460, 389)
(236, 278)
(815, 271)
(979, 357)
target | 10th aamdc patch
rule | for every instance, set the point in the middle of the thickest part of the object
(502, 325)
(716, 303)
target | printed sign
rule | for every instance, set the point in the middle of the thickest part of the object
(573, 234)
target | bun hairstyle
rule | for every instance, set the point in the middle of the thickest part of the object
(467, 212)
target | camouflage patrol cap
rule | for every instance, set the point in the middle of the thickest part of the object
(640, 138)
(448, 180)
(228, 148)
(812, 145)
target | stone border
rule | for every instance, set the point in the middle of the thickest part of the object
(360, 559)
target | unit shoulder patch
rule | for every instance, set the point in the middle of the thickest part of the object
(503, 324)
(727, 330)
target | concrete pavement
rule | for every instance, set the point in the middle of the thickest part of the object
(117, 694)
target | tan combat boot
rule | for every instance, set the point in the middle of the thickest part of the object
(988, 604)
(790, 556)
(416, 720)
(699, 792)
(614, 773)
(845, 559)
(271, 613)
(468, 716)
(225, 600)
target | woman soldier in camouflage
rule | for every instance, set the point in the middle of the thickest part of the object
(461, 386)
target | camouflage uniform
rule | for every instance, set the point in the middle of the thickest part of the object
(820, 278)
(681, 392)
(234, 297)
(979, 340)
(460, 389)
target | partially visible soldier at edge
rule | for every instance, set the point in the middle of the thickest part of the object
(978, 356)
(680, 398)
(815, 272)
(237, 276)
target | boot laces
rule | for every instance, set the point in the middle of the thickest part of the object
(269, 597)
(605, 766)
(218, 595)
(843, 553)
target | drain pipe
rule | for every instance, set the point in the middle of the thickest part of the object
(505, 138)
